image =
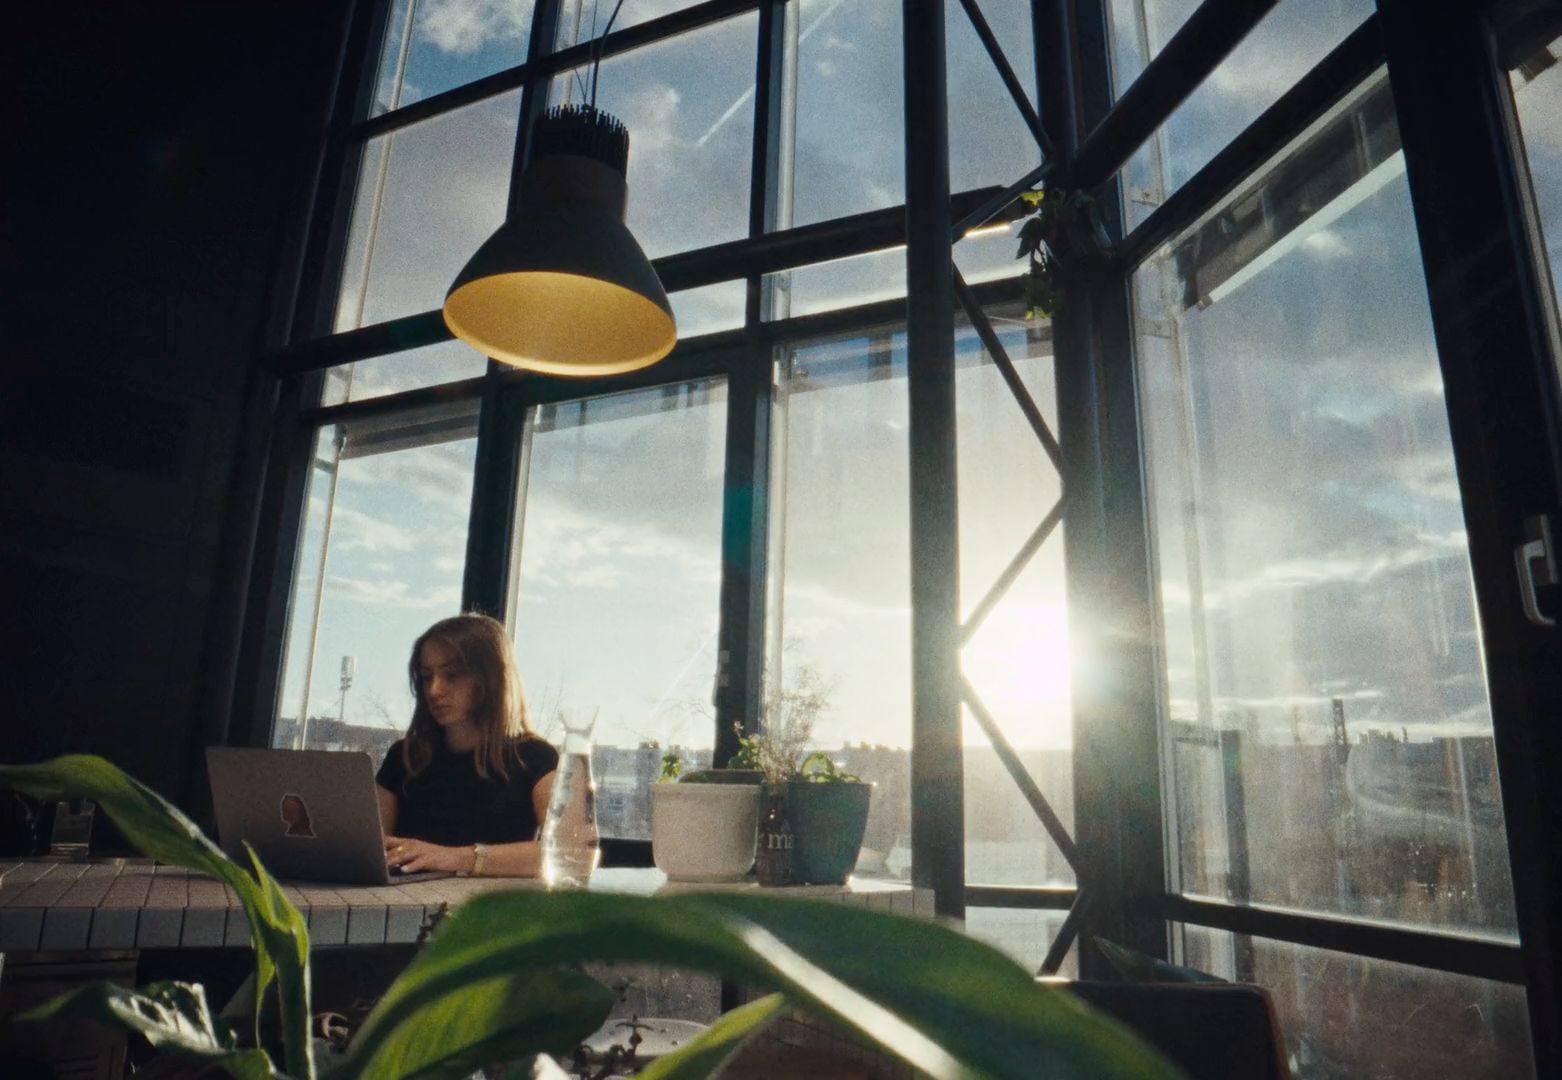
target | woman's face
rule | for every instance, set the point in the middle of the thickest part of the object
(449, 689)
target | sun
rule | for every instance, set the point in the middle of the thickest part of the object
(1019, 663)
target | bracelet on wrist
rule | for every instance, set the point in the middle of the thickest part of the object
(479, 856)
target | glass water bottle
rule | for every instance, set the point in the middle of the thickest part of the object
(570, 842)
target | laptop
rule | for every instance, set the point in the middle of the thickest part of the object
(311, 815)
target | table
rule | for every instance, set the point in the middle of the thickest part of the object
(107, 904)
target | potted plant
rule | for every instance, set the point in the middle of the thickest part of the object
(826, 806)
(703, 823)
(828, 809)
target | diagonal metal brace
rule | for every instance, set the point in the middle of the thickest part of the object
(1066, 934)
(1006, 73)
(1000, 358)
(1010, 572)
(999, 202)
(1021, 776)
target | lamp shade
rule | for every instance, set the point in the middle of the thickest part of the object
(562, 287)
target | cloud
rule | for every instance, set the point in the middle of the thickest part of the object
(394, 594)
(465, 26)
(566, 545)
(437, 480)
(1327, 244)
(354, 530)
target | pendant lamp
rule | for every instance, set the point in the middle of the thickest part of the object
(562, 287)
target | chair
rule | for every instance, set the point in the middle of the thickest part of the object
(1213, 1031)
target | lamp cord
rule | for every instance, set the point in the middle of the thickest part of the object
(596, 66)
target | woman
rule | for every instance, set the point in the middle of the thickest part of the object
(467, 787)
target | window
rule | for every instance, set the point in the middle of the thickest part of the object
(1327, 744)
(688, 104)
(428, 195)
(1537, 99)
(1326, 723)
(1353, 1016)
(1294, 36)
(437, 45)
(616, 587)
(839, 612)
(381, 555)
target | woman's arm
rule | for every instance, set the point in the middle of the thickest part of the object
(388, 807)
(522, 858)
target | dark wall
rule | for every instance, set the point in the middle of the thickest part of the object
(160, 161)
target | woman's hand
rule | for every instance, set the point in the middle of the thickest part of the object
(415, 855)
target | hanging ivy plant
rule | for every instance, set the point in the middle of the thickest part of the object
(1058, 234)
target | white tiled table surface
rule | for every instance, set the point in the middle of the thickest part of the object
(134, 904)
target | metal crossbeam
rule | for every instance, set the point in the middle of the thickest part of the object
(1010, 572)
(991, 208)
(1021, 776)
(1000, 358)
(1066, 935)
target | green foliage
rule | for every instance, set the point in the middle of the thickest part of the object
(493, 981)
(172, 1016)
(1137, 967)
(946, 1004)
(158, 829)
(500, 1018)
(748, 752)
(1058, 234)
(702, 1055)
(672, 765)
(820, 768)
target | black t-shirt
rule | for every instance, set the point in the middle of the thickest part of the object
(448, 803)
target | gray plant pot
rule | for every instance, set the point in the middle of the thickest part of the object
(828, 822)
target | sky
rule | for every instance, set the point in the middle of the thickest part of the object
(620, 557)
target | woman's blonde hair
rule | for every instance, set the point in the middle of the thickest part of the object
(484, 651)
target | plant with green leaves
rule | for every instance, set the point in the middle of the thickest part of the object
(1059, 233)
(672, 766)
(496, 982)
(820, 768)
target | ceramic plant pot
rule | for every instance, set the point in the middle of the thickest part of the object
(704, 832)
(828, 821)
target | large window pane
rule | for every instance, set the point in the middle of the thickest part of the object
(840, 619)
(1017, 660)
(688, 104)
(436, 45)
(840, 603)
(380, 558)
(844, 149)
(617, 584)
(428, 195)
(1345, 1017)
(1537, 98)
(1326, 732)
(1284, 46)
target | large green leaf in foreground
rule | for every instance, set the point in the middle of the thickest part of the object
(702, 1055)
(504, 1018)
(158, 829)
(946, 1004)
(172, 1016)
